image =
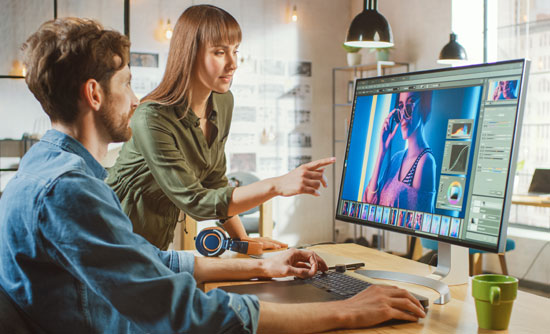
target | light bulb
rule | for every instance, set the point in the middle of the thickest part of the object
(23, 71)
(168, 32)
(294, 16)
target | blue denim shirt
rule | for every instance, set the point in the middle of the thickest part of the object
(70, 260)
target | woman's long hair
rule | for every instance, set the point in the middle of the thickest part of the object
(198, 27)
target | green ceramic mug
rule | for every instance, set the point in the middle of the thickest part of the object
(494, 296)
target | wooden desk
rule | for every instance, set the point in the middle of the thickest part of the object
(540, 201)
(530, 313)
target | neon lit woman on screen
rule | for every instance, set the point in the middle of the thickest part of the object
(505, 90)
(409, 180)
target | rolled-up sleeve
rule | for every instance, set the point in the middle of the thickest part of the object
(121, 266)
(178, 261)
(247, 308)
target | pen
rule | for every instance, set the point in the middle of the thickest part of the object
(351, 266)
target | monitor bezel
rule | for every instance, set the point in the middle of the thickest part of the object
(501, 242)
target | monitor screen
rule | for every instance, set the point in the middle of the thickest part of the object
(432, 153)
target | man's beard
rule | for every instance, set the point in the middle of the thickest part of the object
(115, 124)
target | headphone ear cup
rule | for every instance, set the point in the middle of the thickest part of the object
(209, 242)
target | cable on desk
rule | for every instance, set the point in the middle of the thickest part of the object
(316, 244)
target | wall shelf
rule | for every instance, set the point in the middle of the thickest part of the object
(14, 148)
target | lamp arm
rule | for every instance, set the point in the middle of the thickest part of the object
(371, 5)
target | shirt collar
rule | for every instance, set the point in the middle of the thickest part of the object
(191, 120)
(72, 145)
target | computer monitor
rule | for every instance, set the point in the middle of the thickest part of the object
(432, 153)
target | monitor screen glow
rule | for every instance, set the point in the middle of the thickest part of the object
(432, 153)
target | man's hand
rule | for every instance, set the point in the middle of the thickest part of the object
(379, 303)
(306, 179)
(293, 262)
(267, 243)
(375, 305)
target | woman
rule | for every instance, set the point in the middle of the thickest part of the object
(409, 179)
(175, 159)
(505, 90)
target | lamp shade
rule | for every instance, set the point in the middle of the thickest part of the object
(369, 29)
(452, 53)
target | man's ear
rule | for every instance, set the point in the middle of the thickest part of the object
(92, 94)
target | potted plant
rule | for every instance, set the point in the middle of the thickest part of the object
(353, 56)
(382, 54)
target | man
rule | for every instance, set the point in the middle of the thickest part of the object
(69, 260)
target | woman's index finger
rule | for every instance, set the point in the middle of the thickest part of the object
(320, 163)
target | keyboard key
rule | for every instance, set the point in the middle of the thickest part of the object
(338, 283)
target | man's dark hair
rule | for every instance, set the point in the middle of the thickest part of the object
(63, 54)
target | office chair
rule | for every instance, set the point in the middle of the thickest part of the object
(185, 233)
(251, 222)
(475, 255)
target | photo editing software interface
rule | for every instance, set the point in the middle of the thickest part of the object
(429, 153)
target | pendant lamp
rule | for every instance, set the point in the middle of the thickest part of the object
(452, 53)
(369, 29)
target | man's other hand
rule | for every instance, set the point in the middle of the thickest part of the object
(293, 262)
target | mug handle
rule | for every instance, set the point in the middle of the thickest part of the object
(494, 295)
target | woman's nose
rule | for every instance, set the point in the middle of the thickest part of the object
(232, 62)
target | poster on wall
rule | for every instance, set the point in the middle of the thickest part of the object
(299, 118)
(147, 69)
(144, 59)
(296, 161)
(271, 116)
(300, 68)
(242, 162)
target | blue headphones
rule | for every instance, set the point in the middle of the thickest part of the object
(212, 241)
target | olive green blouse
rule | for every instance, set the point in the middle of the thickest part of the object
(168, 166)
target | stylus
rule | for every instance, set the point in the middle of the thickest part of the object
(351, 266)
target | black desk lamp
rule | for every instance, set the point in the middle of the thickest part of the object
(452, 53)
(369, 29)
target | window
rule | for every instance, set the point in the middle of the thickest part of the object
(516, 29)
(521, 29)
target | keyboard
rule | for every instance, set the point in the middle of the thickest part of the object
(338, 283)
(345, 286)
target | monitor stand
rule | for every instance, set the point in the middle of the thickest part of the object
(452, 269)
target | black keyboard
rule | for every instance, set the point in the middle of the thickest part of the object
(346, 286)
(338, 283)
